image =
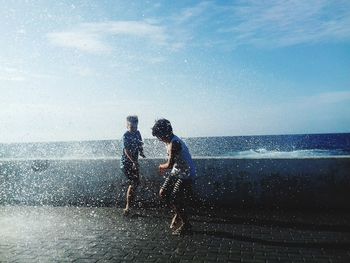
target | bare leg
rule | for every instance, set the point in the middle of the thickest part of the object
(182, 216)
(175, 222)
(185, 224)
(129, 199)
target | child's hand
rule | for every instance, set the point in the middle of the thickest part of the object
(162, 170)
(135, 165)
(161, 192)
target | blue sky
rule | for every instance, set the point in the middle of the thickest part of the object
(73, 70)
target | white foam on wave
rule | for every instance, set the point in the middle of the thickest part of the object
(263, 153)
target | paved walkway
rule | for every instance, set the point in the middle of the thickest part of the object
(83, 234)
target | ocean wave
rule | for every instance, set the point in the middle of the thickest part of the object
(264, 153)
(269, 146)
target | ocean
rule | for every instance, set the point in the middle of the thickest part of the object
(266, 146)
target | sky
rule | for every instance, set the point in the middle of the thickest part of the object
(73, 70)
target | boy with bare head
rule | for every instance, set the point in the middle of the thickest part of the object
(132, 148)
(176, 187)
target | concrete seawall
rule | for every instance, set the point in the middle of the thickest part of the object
(285, 183)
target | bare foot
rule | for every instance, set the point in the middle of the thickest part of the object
(126, 212)
(175, 222)
(183, 230)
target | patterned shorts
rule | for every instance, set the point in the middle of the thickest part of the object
(132, 174)
(177, 190)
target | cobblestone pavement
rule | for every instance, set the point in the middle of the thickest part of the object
(91, 234)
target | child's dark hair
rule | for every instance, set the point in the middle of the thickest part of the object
(162, 129)
(133, 119)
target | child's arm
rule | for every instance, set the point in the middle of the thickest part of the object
(141, 146)
(127, 144)
(175, 148)
(128, 154)
(141, 152)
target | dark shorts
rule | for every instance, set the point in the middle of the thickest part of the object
(177, 191)
(132, 175)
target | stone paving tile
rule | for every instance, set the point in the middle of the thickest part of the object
(90, 234)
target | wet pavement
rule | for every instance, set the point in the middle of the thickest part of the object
(102, 234)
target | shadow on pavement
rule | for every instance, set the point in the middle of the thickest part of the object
(258, 222)
(277, 223)
(319, 245)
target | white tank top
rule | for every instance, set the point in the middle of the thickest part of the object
(184, 166)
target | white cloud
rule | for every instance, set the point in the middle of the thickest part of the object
(320, 101)
(260, 23)
(12, 73)
(285, 23)
(84, 71)
(195, 12)
(309, 114)
(326, 98)
(269, 24)
(68, 121)
(91, 37)
(84, 41)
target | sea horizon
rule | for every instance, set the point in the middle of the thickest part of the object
(179, 135)
(246, 146)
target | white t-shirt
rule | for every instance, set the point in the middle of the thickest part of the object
(184, 166)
